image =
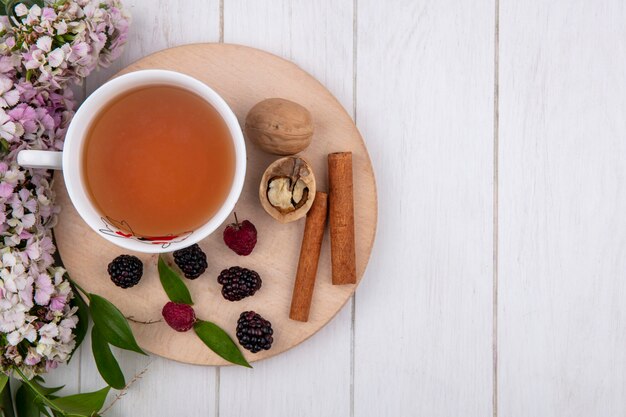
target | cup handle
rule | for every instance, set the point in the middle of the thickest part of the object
(40, 159)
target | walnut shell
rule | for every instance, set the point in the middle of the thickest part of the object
(287, 189)
(279, 126)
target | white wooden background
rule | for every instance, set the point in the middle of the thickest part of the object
(498, 280)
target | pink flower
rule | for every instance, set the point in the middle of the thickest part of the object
(80, 50)
(9, 96)
(97, 29)
(33, 59)
(51, 365)
(43, 289)
(27, 90)
(45, 119)
(47, 249)
(33, 15)
(32, 358)
(57, 303)
(48, 14)
(26, 116)
(44, 43)
(21, 9)
(7, 127)
(6, 190)
(33, 251)
(61, 27)
(10, 42)
(56, 57)
(26, 294)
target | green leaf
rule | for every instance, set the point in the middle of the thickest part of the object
(4, 145)
(82, 404)
(47, 391)
(220, 342)
(37, 390)
(3, 381)
(105, 361)
(6, 402)
(83, 319)
(43, 410)
(112, 324)
(173, 285)
(26, 402)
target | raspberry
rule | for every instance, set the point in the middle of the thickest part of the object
(179, 316)
(239, 283)
(240, 237)
(254, 332)
(191, 260)
(125, 271)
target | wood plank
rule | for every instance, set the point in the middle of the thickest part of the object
(159, 24)
(314, 378)
(167, 388)
(562, 229)
(67, 375)
(156, 25)
(425, 108)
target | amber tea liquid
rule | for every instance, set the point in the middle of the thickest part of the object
(159, 158)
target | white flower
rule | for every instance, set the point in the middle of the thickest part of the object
(32, 358)
(14, 338)
(7, 127)
(33, 15)
(12, 320)
(27, 332)
(35, 11)
(21, 9)
(30, 333)
(44, 43)
(9, 96)
(36, 59)
(56, 57)
(8, 259)
(61, 27)
(66, 330)
(48, 331)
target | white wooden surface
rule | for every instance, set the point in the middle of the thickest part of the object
(562, 306)
(423, 330)
(496, 286)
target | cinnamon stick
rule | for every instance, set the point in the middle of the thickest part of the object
(341, 218)
(309, 257)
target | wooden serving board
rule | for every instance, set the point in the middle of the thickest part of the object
(242, 76)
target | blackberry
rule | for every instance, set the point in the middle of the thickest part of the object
(254, 332)
(239, 283)
(191, 260)
(125, 271)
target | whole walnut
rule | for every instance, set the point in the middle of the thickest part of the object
(279, 126)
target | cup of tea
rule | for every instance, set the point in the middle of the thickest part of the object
(153, 161)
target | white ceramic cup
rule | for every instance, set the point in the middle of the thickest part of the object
(70, 161)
